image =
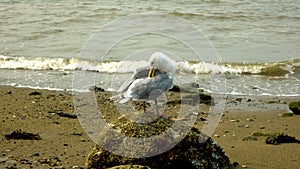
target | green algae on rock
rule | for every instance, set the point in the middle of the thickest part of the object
(130, 167)
(195, 151)
(279, 138)
(131, 137)
(196, 93)
(275, 70)
(295, 107)
(22, 135)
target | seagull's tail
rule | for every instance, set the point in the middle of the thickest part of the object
(116, 97)
(124, 100)
(119, 98)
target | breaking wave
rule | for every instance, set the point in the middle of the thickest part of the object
(269, 69)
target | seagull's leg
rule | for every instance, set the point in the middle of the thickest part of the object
(156, 106)
(144, 107)
(157, 111)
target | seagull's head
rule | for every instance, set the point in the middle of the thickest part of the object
(162, 62)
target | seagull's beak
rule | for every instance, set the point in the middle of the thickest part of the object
(151, 72)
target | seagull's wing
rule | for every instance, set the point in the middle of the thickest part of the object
(160, 84)
(149, 88)
(139, 74)
(137, 89)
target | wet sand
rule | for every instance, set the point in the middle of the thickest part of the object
(64, 144)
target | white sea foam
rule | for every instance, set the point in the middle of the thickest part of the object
(39, 63)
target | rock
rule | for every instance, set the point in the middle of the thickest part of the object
(52, 161)
(193, 85)
(74, 133)
(239, 99)
(193, 98)
(68, 115)
(244, 166)
(177, 88)
(192, 88)
(194, 151)
(259, 134)
(96, 89)
(274, 71)
(279, 138)
(186, 88)
(130, 167)
(25, 161)
(295, 107)
(63, 114)
(34, 93)
(3, 159)
(250, 138)
(66, 103)
(36, 154)
(250, 119)
(296, 69)
(246, 126)
(235, 164)
(287, 114)
(8, 92)
(205, 98)
(21, 135)
(11, 164)
(216, 135)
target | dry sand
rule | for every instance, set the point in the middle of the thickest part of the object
(64, 144)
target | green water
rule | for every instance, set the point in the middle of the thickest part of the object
(241, 31)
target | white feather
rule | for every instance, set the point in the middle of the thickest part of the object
(160, 61)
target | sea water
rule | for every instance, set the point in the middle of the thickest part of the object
(257, 43)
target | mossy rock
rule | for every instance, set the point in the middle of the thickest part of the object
(295, 107)
(274, 71)
(250, 138)
(193, 151)
(287, 114)
(192, 94)
(279, 138)
(297, 70)
(130, 167)
(205, 98)
(259, 134)
(22, 135)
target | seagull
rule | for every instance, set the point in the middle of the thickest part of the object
(148, 83)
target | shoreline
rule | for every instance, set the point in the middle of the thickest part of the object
(64, 143)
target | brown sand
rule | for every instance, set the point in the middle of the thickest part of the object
(64, 144)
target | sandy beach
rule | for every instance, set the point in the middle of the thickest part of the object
(64, 144)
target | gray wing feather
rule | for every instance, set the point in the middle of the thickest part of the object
(139, 74)
(126, 85)
(139, 86)
(151, 88)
